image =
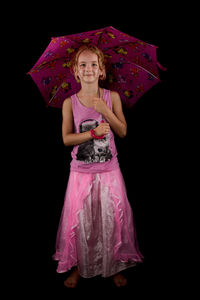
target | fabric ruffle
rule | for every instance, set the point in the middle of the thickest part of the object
(96, 230)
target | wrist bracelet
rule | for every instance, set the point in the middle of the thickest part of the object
(95, 136)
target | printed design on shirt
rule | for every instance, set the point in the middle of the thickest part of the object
(94, 150)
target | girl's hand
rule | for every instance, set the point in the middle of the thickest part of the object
(100, 105)
(102, 129)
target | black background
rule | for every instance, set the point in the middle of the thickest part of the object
(148, 155)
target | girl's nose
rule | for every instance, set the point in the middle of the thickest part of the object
(88, 68)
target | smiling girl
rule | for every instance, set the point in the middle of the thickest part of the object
(96, 234)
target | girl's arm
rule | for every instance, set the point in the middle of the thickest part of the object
(70, 138)
(116, 117)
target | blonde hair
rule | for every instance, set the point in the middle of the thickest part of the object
(94, 49)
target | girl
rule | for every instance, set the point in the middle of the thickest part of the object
(96, 234)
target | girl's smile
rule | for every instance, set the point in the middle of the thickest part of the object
(88, 67)
(96, 210)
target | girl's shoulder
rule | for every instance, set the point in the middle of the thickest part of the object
(67, 103)
(114, 96)
(67, 100)
(114, 93)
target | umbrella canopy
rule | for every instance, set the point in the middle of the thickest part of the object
(131, 65)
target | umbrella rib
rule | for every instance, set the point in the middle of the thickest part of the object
(49, 61)
(131, 62)
(55, 93)
(144, 69)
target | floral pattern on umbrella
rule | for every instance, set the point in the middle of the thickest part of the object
(131, 65)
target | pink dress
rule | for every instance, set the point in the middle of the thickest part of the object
(96, 230)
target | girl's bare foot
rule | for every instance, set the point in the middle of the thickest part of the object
(119, 280)
(72, 280)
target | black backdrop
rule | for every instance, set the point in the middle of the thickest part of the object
(146, 155)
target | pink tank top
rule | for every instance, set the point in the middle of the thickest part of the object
(95, 155)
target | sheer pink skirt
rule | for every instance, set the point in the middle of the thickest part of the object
(96, 230)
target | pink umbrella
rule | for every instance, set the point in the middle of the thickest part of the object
(131, 65)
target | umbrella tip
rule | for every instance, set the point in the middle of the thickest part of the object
(161, 67)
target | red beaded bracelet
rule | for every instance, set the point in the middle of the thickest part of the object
(95, 136)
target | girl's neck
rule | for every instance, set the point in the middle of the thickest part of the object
(89, 90)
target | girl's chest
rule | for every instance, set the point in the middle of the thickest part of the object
(86, 120)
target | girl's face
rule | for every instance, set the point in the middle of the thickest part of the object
(88, 69)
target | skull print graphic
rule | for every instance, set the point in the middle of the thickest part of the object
(93, 150)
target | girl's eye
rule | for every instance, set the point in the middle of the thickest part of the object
(94, 65)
